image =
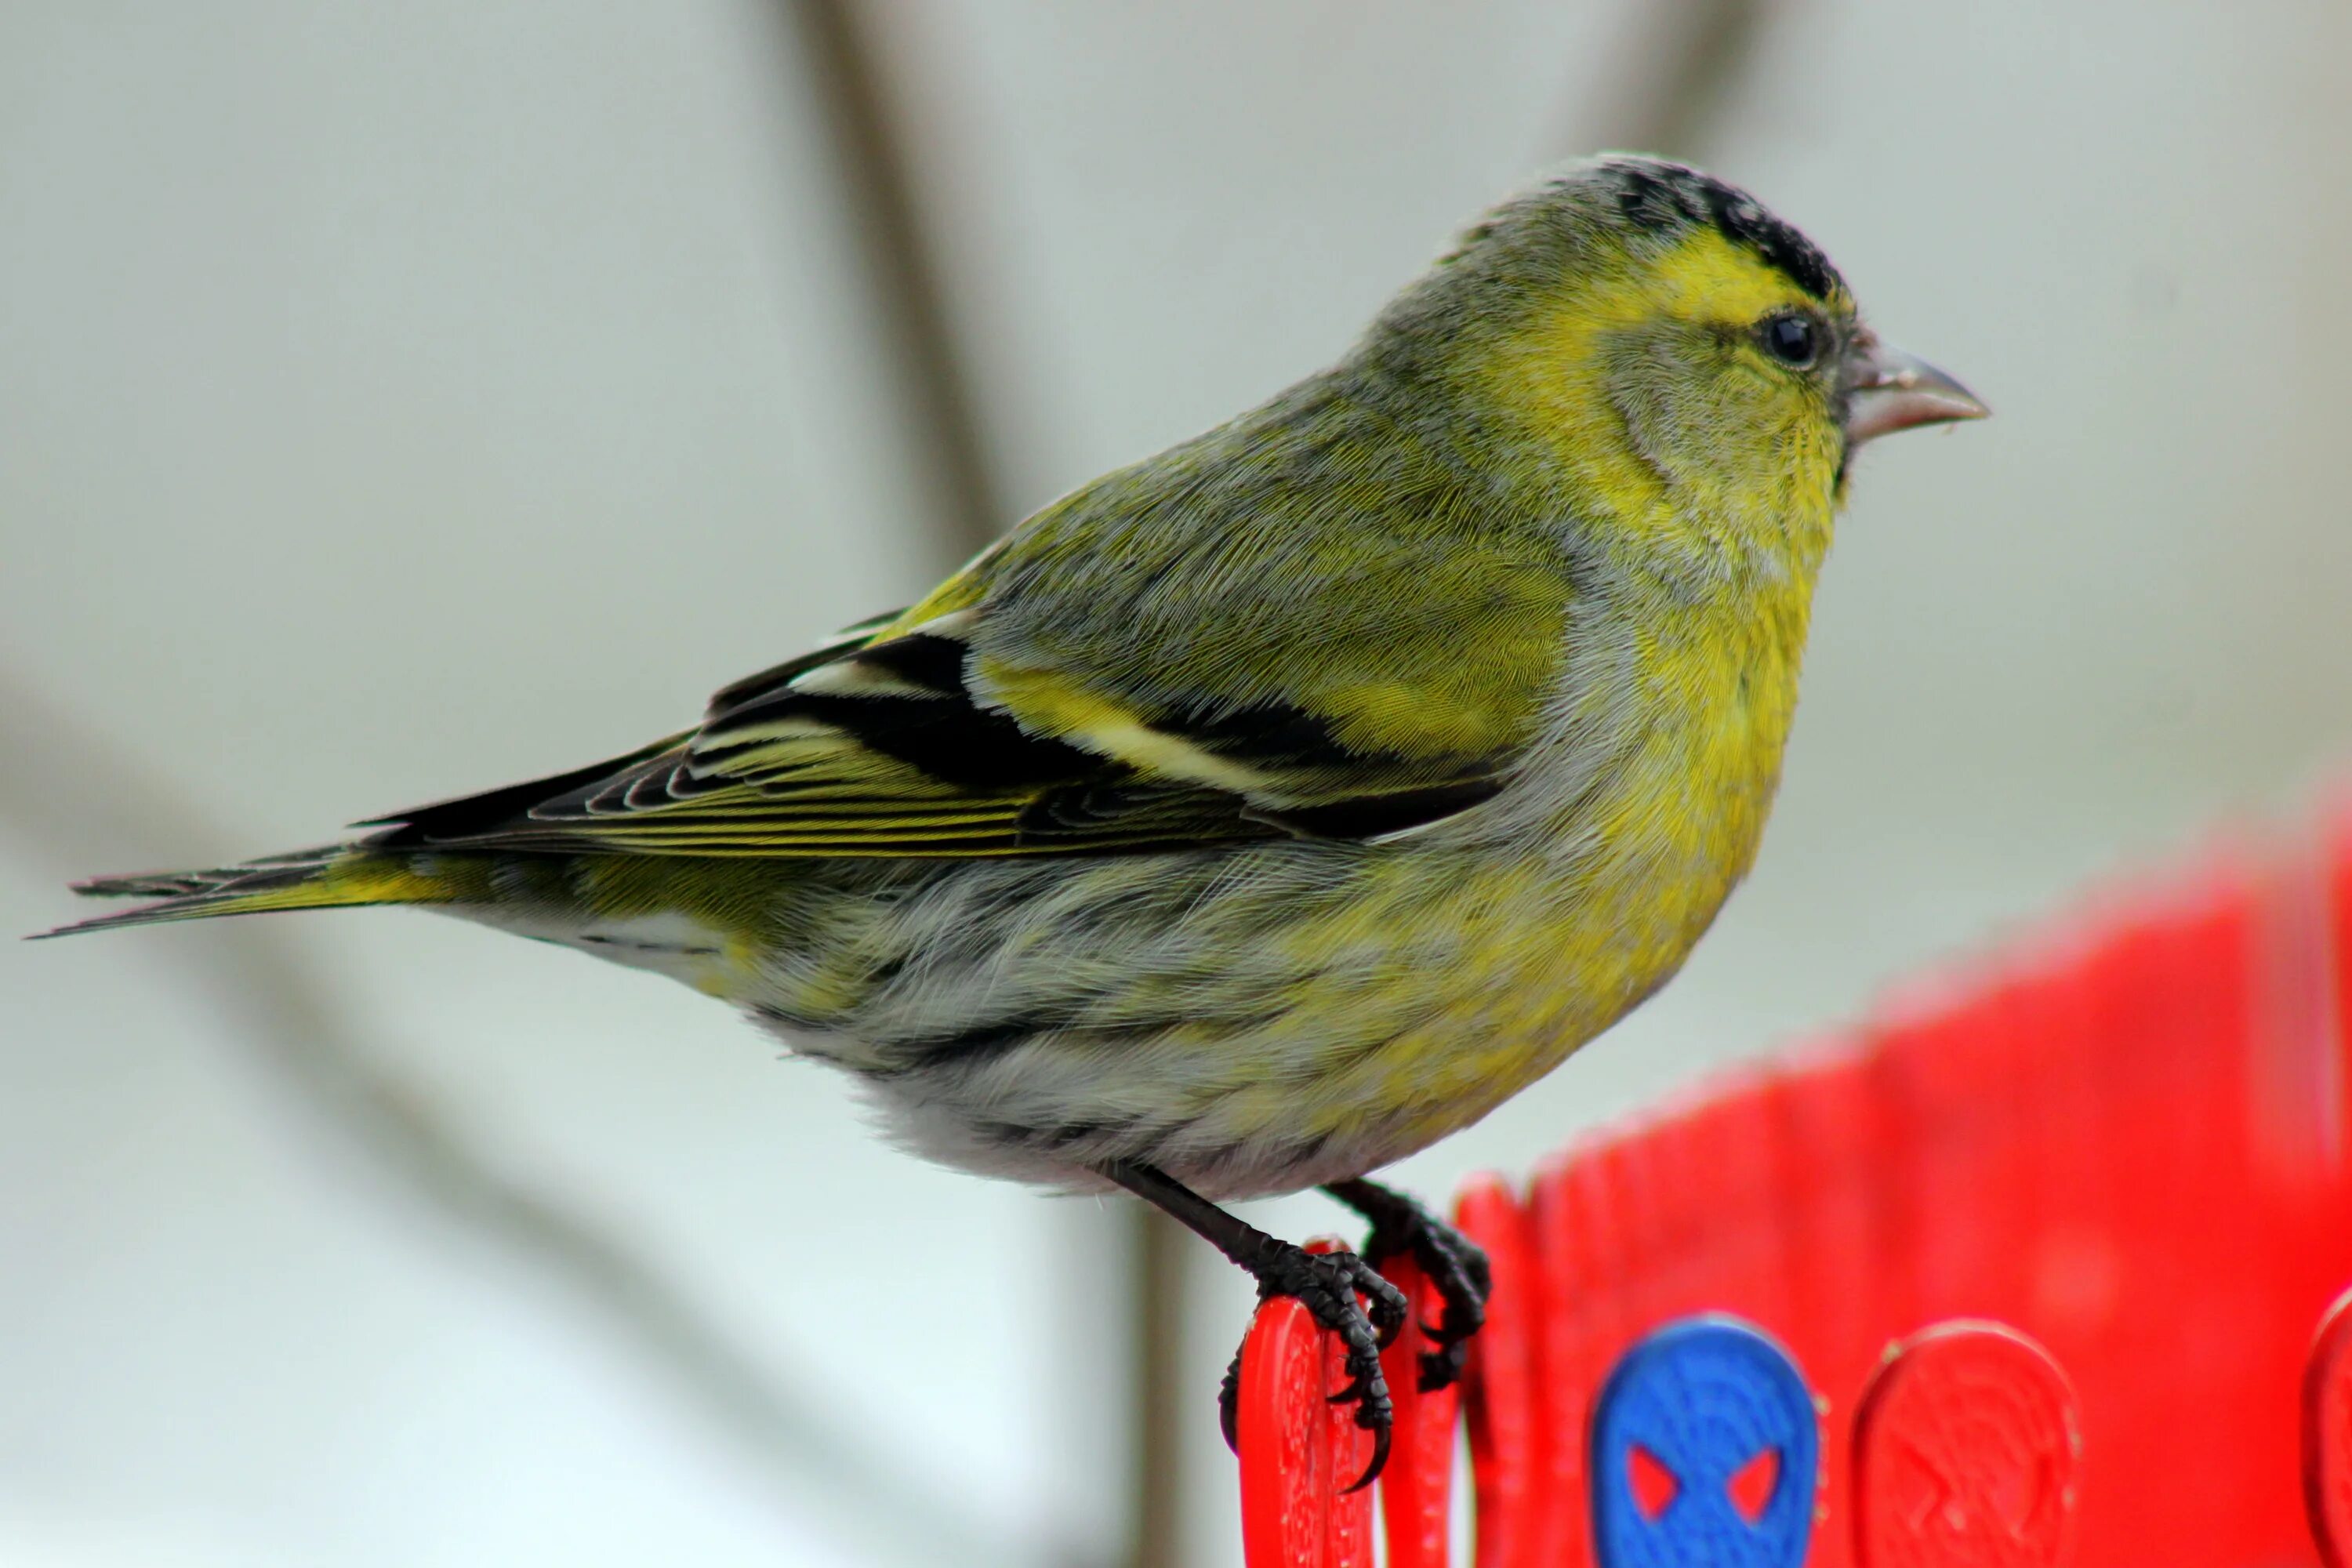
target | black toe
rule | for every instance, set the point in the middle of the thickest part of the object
(1451, 1261)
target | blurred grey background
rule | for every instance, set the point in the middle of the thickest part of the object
(395, 400)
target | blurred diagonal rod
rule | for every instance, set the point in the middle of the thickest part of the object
(934, 384)
(837, 59)
(1679, 71)
(115, 811)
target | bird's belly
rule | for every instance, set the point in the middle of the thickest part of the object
(1253, 1051)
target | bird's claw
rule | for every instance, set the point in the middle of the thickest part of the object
(1329, 1286)
(1386, 1305)
(1450, 1260)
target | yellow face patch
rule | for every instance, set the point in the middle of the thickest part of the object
(1626, 382)
(1708, 277)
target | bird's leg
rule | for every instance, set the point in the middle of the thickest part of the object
(1325, 1284)
(1452, 1262)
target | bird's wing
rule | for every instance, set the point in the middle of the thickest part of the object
(1169, 691)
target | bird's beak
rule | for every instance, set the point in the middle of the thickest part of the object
(1889, 390)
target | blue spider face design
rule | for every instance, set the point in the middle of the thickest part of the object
(1705, 1448)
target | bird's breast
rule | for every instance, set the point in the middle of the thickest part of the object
(1624, 865)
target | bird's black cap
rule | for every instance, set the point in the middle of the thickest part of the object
(1665, 198)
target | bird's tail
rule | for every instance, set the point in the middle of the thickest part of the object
(338, 876)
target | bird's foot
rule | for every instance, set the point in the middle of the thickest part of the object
(1328, 1284)
(1451, 1261)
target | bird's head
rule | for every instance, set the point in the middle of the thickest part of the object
(1665, 355)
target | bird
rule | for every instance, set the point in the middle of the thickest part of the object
(1264, 811)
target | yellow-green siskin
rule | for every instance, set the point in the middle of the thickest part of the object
(1259, 814)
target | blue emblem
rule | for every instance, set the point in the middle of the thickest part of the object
(1704, 1448)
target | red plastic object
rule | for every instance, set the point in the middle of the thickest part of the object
(2129, 1141)
(2327, 1436)
(1287, 1470)
(1500, 1399)
(1417, 1489)
(1300, 1451)
(1964, 1450)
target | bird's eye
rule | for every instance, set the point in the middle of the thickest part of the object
(1793, 340)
